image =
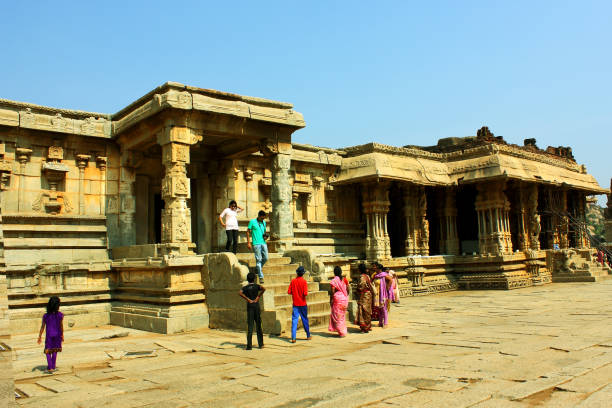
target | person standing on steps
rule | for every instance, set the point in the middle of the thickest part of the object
(256, 240)
(231, 225)
(252, 293)
(298, 289)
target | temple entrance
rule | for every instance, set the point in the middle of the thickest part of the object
(396, 222)
(433, 218)
(546, 218)
(467, 220)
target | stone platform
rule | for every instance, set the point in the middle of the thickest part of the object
(545, 346)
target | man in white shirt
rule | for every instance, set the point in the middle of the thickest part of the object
(231, 225)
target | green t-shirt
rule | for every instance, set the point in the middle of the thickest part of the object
(257, 230)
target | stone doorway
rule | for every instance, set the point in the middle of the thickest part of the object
(467, 219)
(396, 222)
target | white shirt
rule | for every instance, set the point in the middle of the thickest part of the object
(231, 220)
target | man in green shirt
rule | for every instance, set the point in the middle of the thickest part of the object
(256, 232)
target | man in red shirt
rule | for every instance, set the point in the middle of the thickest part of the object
(298, 288)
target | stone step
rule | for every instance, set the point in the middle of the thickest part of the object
(281, 288)
(286, 299)
(283, 268)
(314, 320)
(278, 278)
(313, 307)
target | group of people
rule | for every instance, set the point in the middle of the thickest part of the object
(376, 293)
(256, 234)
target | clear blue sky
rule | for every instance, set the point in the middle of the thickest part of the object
(394, 72)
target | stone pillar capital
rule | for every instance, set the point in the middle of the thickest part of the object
(178, 134)
(82, 160)
(102, 161)
(23, 154)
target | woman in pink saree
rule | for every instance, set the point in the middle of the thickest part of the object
(339, 303)
(383, 284)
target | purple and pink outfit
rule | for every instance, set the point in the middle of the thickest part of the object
(337, 321)
(53, 337)
(384, 296)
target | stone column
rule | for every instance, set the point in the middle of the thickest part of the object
(176, 215)
(102, 164)
(447, 212)
(23, 156)
(421, 222)
(410, 244)
(493, 208)
(563, 221)
(582, 240)
(376, 207)
(281, 221)
(127, 201)
(533, 223)
(82, 160)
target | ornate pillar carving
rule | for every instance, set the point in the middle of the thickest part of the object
(281, 225)
(563, 225)
(493, 208)
(102, 164)
(423, 224)
(23, 156)
(582, 240)
(376, 207)
(176, 215)
(81, 161)
(533, 223)
(447, 212)
(130, 160)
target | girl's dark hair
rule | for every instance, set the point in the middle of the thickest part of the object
(362, 268)
(337, 271)
(53, 305)
(231, 203)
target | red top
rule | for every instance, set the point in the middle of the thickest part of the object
(298, 288)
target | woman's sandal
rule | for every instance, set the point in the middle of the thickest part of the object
(293, 340)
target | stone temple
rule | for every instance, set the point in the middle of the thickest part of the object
(118, 213)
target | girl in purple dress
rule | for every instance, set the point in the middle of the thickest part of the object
(53, 320)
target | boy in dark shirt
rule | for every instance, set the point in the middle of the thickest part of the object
(251, 293)
(299, 290)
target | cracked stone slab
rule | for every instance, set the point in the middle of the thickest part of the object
(589, 382)
(599, 399)
(56, 385)
(33, 390)
(528, 388)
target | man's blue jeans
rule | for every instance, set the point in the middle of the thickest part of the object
(261, 257)
(299, 311)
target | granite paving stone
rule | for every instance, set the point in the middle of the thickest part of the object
(544, 346)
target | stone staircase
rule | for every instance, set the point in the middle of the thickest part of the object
(278, 272)
(581, 267)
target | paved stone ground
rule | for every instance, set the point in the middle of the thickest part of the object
(544, 346)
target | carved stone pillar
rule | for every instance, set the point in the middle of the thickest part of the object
(447, 212)
(376, 207)
(176, 215)
(81, 161)
(422, 225)
(563, 225)
(533, 222)
(102, 164)
(281, 221)
(23, 156)
(127, 200)
(493, 208)
(582, 240)
(410, 244)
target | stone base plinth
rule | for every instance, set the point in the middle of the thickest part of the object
(84, 290)
(508, 271)
(159, 319)
(162, 295)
